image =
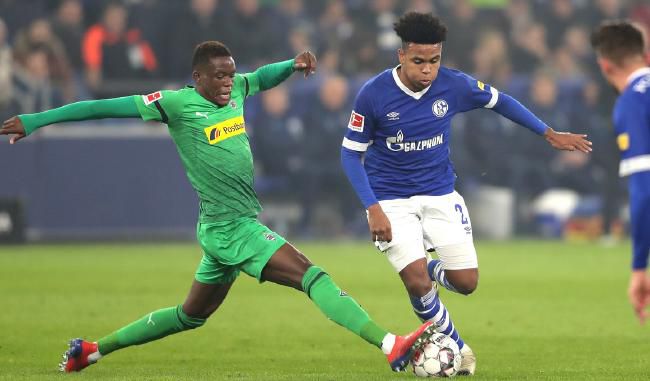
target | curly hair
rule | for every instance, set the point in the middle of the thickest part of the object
(208, 50)
(420, 28)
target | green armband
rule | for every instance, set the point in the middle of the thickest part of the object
(123, 107)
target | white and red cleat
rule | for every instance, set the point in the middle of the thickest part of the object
(405, 346)
(79, 355)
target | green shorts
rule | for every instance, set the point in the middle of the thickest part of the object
(228, 247)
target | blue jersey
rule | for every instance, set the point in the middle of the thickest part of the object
(632, 124)
(406, 135)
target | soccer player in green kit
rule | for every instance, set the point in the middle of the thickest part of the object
(207, 125)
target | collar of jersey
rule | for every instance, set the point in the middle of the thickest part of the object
(405, 89)
(638, 73)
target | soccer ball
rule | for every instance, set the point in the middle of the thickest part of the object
(438, 356)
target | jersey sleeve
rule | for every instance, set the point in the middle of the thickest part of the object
(634, 137)
(473, 94)
(361, 126)
(248, 84)
(162, 106)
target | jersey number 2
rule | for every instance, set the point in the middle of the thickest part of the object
(463, 219)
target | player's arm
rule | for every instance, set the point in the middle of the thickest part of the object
(355, 143)
(477, 94)
(271, 75)
(23, 125)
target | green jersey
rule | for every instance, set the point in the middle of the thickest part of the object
(212, 143)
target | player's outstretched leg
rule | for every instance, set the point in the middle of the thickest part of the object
(291, 268)
(153, 326)
(201, 302)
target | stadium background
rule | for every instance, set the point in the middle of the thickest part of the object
(122, 179)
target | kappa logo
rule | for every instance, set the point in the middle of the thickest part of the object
(356, 122)
(224, 130)
(440, 108)
(393, 115)
(151, 98)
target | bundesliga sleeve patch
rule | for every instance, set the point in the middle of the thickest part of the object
(150, 98)
(356, 122)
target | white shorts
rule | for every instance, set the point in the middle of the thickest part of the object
(422, 223)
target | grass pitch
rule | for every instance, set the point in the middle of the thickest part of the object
(543, 311)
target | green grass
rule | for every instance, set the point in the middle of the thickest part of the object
(543, 311)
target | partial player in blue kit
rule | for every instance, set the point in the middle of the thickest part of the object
(396, 156)
(621, 57)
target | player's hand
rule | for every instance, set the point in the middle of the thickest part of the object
(13, 126)
(380, 229)
(305, 62)
(567, 141)
(639, 294)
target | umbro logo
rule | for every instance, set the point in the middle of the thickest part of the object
(393, 115)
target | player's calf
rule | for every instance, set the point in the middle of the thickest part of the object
(80, 354)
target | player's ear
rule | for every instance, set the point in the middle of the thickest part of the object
(196, 76)
(401, 56)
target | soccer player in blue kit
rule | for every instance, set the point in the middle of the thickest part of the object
(401, 124)
(620, 49)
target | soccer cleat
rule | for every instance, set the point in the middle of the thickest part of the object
(78, 356)
(405, 346)
(468, 364)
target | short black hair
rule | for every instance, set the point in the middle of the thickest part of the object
(420, 28)
(207, 50)
(618, 40)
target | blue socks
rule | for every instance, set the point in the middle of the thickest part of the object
(437, 274)
(429, 307)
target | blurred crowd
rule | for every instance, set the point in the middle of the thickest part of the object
(55, 52)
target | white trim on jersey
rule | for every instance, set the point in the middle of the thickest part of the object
(637, 73)
(634, 164)
(355, 146)
(494, 99)
(405, 89)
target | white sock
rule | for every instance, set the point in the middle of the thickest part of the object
(94, 357)
(387, 343)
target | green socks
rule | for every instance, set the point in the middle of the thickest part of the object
(320, 288)
(154, 326)
(340, 307)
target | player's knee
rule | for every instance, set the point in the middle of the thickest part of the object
(188, 321)
(466, 285)
(419, 286)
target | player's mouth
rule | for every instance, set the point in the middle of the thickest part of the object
(425, 82)
(223, 97)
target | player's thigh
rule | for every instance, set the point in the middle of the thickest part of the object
(407, 245)
(287, 267)
(243, 244)
(448, 229)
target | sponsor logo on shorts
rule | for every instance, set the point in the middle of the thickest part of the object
(224, 130)
(150, 98)
(356, 122)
